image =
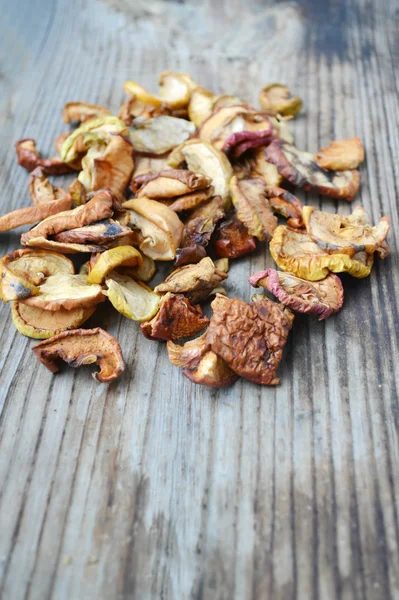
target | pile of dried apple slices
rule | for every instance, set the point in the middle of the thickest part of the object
(195, 179)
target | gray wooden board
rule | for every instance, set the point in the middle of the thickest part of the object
(153, 487)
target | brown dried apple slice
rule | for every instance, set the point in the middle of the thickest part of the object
(233, 239)
(250, 337)
(301, 168)
(99, 207)
(253, 208)
(177, 318)
(79, 112)
(341, 155)
(83, 347)
(194, 281)
(320, 298)
(30, 159)
(198, 229)
(200, 364)
(33, 214)
(212, 371)
(169, 183)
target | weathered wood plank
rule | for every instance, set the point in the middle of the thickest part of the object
(153, 487)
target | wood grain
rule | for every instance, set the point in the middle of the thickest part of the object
(153, 487)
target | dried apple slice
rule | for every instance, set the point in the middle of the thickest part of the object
(42, 324)
(200, 106)
(301, 168)
(79, 112)
(177, 318)
(104, 263)
(250, 337)
(198, 229)
(103, 233)
(175, 88)
(212, 371)
(347, 234)
(188, 355)
(133, 299)
(146, 165)
(160, 134)
(253, 208)
(294, 251)
(135, 89)
(201, 365)
(93, 131)
(77, 191)
(282, 128)
(111, 167)
(42, 191)
(169, 183)
(262, 168)
(134, 107)
(276, 98)
(233, 239)
(194, 281)
(341, 155)
(320, 298)
(160, 227)
(83, 347)
(99, 207)
(66, 291)
(145, 272)
(236, 128)
(29, 158)
(33, 214)
(286, 204)
(203, 158)
(23, 271)
(192, 200)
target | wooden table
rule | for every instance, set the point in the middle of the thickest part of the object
(153, 487)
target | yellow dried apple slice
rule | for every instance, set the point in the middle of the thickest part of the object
(200, 106)
(23, 270)
(42, 324)
(133, 299)
(277, 98)
(66, 291)
(174, 91)
(110, 259)
(135, 89)
(175, 88)
(145, 272)
(94, 130)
